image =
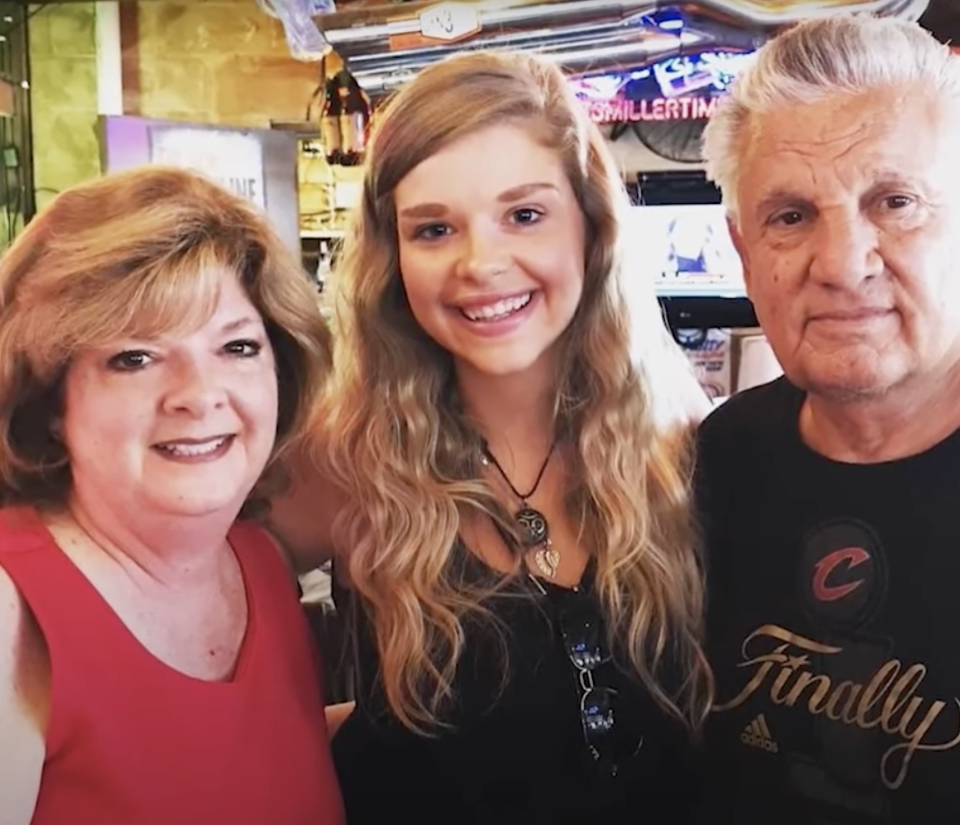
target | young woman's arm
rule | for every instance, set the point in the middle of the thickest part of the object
(337, 715)
(302, 518)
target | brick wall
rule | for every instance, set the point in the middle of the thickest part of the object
(63, 82)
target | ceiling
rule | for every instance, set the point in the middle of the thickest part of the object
(942, 16)
(384, 42)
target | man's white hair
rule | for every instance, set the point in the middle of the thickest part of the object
(844, 54)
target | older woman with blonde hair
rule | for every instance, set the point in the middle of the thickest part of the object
(516, 539)
(159, 350)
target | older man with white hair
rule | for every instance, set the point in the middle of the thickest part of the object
(830, 498)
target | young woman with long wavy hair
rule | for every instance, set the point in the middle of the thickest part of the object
(515, 543)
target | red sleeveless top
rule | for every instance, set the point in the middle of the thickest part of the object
(131, 740)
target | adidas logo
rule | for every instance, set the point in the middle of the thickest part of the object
(757, 734)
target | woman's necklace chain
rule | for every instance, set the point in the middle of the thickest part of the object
(532, 524)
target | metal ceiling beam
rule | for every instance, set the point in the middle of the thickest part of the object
(383, 45)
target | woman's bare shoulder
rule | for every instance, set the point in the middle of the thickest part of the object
(24, 706)
(11, 610)
(13, 616)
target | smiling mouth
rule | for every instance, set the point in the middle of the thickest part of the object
(194, 449)
(497, 311)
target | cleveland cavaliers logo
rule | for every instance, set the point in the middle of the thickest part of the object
(840, 561)
(842, 576)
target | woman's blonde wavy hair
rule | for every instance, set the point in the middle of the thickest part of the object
(397, 440)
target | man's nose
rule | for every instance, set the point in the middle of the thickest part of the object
(845, 250)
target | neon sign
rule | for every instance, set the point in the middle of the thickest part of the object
(663, 91)
(715, 71)
(632, 111)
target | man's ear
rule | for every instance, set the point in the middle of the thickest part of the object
(739, 245)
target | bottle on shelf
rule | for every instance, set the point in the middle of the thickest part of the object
(324, 266)
(354, 119)
(330, 117)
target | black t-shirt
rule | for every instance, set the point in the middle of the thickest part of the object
(833, 625)
(515, 752)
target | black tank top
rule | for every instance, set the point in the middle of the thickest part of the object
(513, 749)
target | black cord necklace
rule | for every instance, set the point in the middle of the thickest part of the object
(534, 530)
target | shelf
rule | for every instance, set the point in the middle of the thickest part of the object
(322, 233)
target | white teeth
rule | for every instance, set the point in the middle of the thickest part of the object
(499, 310)
(191, 450)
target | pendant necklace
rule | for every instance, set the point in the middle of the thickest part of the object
(534, 530)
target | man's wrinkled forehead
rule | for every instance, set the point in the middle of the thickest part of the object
(860, 140)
